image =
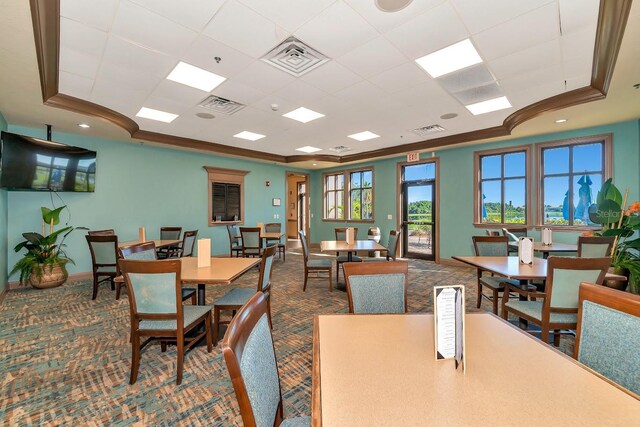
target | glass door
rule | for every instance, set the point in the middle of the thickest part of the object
(302, 203)
(419, 211)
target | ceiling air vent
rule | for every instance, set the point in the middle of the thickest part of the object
(294, 57)
(221, 105)
(427, 130)
(340, 149)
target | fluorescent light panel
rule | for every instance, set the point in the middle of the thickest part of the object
(303, 115)
(249, 135)
(488, 106)
(363, 136)
(195, 77)
(308, 149)
(161, 116)
(452, 58)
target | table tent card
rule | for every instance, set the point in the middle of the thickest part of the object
(350, 235)
(546, 237)
(204, 253)
(448, 310)
(525, 250)
(141, 234)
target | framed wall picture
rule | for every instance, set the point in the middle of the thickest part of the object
(275, 202)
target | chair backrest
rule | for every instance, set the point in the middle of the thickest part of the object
(379, 287)
(155, 290)
(595, 247)
(514, 233)
(492, 232)
(234, 232)
(608, 334)
(144, 251)
(250, 237)
(188, 241)
(341, 233)
(104, 250)
(490, 245)
(266, 266)
(564, 275)
(248, 351)
(108, 232)
(170, 233)
(305, 248)
(272, 227)
(392, 244)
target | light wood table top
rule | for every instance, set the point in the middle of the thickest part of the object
(158, 243)
(361, 377)
(275, 235)
(357, 245)
(554, 247)
(222, 271)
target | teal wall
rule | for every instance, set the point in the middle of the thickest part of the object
(3, 226)
(141, 185)
(456, 186)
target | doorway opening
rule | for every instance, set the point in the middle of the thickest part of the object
(297, 209)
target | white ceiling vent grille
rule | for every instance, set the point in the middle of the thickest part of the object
(428, 130)
(294, 57)
(340, 149)
(221, 105)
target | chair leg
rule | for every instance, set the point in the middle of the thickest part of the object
(113, 285)
(95, 286)
(544, 334)
(330, 280)
(268, 312)
(118, 288)
(216, 324)
(306, 277)
(479, 301)
(556, 337)
(337, 272)
(180, 342)
(194, 299)
(163, 346)
(207, 327)
(135, 357)
(495, 302)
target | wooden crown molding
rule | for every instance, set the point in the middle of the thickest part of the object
(612, 20)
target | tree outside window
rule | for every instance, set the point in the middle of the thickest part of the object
(503, 188)
(360, 195)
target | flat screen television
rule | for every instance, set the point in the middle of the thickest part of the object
(35, 164)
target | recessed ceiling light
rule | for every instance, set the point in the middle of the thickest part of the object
(363, 136)
(249, 135)
(449, 59)
(303, 115)
(449, 116)
(161, 116)
(195, 77)
(489, 105)
(206, 116)
(308, 149)
(84, 125)
(315, 164)
(392, 5)
(560, 120)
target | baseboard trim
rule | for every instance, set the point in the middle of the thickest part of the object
(75, 276)
(3, 293)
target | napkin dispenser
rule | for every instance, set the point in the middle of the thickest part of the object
(141, 234)
(204, 253)
(525, 250)
(546, 237)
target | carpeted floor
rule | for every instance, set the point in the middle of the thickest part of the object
(65, 359)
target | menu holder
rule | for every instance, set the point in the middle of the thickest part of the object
(546, 237)
(141, 234)
(204, 253)
(448, 310)
(525, 250)
(350, 235)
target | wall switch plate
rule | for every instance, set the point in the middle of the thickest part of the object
(389, 216)
(275, 216)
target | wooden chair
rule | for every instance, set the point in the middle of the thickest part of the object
(147, 252)
(491, 246)
(377, 287)
(251, 242)
(595, 247)
(169, 233)
(104, 261)
(608, 334)
(251, 361)
(108, 232)
(314, 265)
(559, 310)
(341, 235)
(237, 297)
(157, 312)
(234, 240)
(492, 232)
(392, 248)
(276, 227)
(185, 248)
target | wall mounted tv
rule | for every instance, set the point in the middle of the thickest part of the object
(34, 164)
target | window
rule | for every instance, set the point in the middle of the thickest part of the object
(571, 173)
(502, 186)
(226, 195)
(348, 195)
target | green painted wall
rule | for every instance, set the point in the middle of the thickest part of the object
(3, 226)
(456, 186)
(140, 185)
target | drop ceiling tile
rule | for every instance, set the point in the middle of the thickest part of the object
(264, 77)
(467, 78)
(479, 94)
(97, 14)
(79, 63)
(539, 56)
(74, 85)
(577, 67)
(204, 50)
(129, 56)
(284, 105)
(167, 104)
(532, 78)
(195, 15)
(362, 93)
(577, 82)
(238, 92)
(336, 30)
(182, 94)
(124, 100)
(439, 27)
(384, 21)
(401, 77)
(250, 115)
(243, 29)
(534, 94)
(82, 38)
(151, 30)
(576, 15)
(126, 78)
(372, 57)
(578, 44)
(479, 15)
(286, 14)
(527, 30)
(331, 77)
(428, 92)
(300, 92)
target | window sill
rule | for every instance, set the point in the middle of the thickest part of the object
(572, 228)
(346, 221)
(500, 226)
(219, 223)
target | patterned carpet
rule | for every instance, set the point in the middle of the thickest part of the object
(65, 359)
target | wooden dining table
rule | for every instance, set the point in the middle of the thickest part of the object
(350, 248)
(545, 250)
(361, 377)
(158, 243)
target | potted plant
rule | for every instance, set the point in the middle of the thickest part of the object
(609, 211)
(44, 264)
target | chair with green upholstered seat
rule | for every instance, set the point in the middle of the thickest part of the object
(169, 233)
(251, 361)
(251, 242)
(157, 312)
(276, 227)
(392, 248)
(234, 240)
(595, 247)
(314, 265)
(608, 334)
(514, 234)
(559, 309)
(104, 257)
(237, 297)
(379, 287)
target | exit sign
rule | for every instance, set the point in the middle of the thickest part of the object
(413, 157)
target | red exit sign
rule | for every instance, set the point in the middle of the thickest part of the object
(413, 157)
